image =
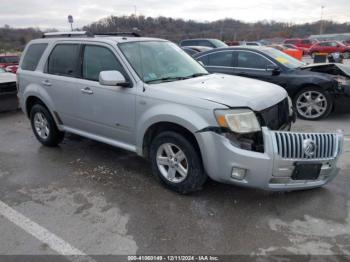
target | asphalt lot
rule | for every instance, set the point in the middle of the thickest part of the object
(97, 199)
(86, 197)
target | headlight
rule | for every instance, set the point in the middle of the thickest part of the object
(341, 80)
(238, 120)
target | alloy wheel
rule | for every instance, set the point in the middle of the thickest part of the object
(172, 163)
(41, 125)
(311, 104)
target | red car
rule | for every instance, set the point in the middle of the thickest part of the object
(9, 63)
(299, 42)
(303, 49)
(328, 47)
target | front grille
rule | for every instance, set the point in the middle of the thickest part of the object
(290, 145)
(8, 88)
(275, 117)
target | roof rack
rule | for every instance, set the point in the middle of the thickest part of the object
(130, 34)
(68, 34)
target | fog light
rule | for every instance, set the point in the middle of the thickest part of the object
(238, 173)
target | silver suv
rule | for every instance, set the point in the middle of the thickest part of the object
(148, 96)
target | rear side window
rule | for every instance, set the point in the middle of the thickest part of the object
(32, 56)
(220, 59)
(64, 60)
(97, 59)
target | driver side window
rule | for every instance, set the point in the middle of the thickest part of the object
(252, 60)
(97, 59)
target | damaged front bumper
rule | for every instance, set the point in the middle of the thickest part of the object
(275, 168)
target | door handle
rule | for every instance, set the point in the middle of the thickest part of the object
(46, 83)
(87, 91)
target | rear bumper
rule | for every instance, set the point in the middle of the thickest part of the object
(268, 170)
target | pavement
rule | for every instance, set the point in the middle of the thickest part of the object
(85, 197)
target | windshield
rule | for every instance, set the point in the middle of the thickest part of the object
(2, 70)
(284, 59)
(218, 43)
(160, 61)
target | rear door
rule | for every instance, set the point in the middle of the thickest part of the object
(218, 62)
(60, 80)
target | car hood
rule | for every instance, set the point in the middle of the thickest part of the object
(324, 67)
(231, 91)
(7, 77)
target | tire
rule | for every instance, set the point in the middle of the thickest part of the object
(195, 176)
(44, 126)
(321, 103)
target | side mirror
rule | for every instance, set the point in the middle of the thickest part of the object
(113, 78)
(274, 69)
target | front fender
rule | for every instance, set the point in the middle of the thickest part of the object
(193, 119)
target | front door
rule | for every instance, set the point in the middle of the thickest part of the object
(254, 65)
(106, 111)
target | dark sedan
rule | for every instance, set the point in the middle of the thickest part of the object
(313, 93)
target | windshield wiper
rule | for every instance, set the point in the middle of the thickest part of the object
(197, 75)
(166, 79)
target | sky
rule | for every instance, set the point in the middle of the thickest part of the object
(53, 13)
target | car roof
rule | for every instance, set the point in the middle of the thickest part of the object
(192, 39)
(241, 47)
(260, 49)
(103, 39)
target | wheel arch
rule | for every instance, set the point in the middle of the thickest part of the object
(163, 126)
(34, 99)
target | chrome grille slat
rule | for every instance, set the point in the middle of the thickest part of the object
(290, 145)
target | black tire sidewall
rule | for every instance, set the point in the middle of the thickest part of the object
(196, 176)
(328, 96)
(55, 136)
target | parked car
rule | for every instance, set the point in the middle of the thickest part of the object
(303, 49)
(9, 63)
(8, 91)
(213, 43)
(346, 42)
(232, 43)
(252, 43)
(313, 93)
(148, 96)
(293, 52)
(192, 50)
(299, 42)
(328, 47)
(340, 72)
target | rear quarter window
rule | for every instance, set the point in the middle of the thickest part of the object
(32, 56)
